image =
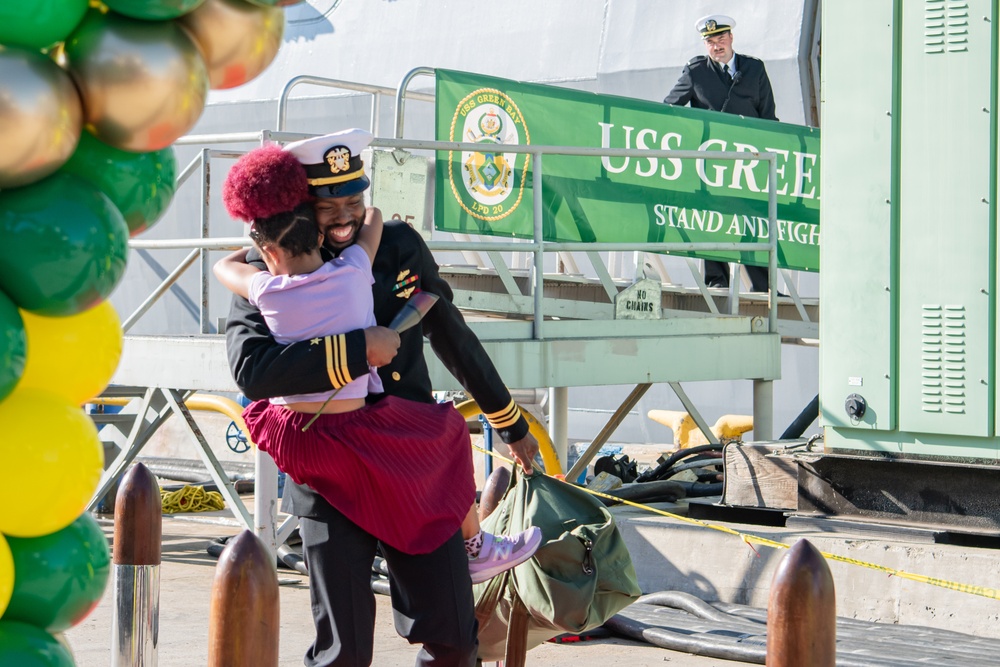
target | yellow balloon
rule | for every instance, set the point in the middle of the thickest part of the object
(73, 356)
(40, 117)
(6, 575)
(52, 460)
(237, 40)
(143, 83)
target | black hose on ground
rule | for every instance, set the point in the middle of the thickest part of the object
(682, 622)
(799, 425)
(702, 490)
(292, 560)
(286, 555)
(658, 491)
(659, 472)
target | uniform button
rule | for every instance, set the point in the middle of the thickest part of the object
(396, 376)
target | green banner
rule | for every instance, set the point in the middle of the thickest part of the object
(621, 200)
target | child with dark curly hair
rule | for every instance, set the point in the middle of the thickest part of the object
(401, 470)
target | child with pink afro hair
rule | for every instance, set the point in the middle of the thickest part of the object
(263, 183)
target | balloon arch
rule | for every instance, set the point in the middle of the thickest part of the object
(92, 96)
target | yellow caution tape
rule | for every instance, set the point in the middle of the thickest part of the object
(751, 539)
(191, 499)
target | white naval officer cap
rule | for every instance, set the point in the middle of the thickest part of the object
(714, 24)
(333, 162)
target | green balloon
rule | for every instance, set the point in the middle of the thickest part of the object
(39, 25)
(64, 245)
(13, 346)
(59, 578)
(27, 646)
(140, 185)
(153, 10)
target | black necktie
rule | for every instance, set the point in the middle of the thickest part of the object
(725, 75)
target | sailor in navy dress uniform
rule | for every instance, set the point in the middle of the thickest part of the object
(431, 593)
(732, 83)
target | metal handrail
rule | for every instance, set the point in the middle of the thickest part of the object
(537, 246)
(372, 89)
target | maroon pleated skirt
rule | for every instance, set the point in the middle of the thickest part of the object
(399, 469)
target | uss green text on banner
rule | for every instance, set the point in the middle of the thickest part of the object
(621, 200)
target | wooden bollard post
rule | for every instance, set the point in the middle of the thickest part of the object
(493, 490)
(243, 621)
(802, 611)
(136, 558)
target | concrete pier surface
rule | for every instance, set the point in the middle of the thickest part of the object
(185, 595)
(669, 555)
(872, 582)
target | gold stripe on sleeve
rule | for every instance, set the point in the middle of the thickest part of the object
(506, 417)
(336, 360)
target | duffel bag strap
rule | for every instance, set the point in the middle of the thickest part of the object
(494, 590)
(491, 597)
(517, 634)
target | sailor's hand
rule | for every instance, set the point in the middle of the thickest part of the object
(524, 451)
(382, 344)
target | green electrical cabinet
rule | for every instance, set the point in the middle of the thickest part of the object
(908, 254)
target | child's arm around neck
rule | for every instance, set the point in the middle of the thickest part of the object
(370, 234)
(234, 272)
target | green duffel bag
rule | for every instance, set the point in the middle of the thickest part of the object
(581, 575)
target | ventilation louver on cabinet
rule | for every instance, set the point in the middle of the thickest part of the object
(946, 26)
(942, 359)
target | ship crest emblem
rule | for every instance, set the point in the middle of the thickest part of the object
(485, 181)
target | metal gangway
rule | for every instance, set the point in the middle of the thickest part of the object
(543, 328)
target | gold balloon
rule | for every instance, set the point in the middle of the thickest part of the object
(40, 117)
(238, 40)
(143, 83)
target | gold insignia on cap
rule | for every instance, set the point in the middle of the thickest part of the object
(711, 25)
(339, 159)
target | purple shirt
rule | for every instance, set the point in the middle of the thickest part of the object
(333, 299)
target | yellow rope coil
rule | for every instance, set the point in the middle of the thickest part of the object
(191, 499)
(751, 539)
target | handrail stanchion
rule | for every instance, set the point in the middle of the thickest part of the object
(265, 500)
(772, 254)
(206, 190)
(802, 611)
(136, 557)
(243, 622)
(539, 277)
(401, 95)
